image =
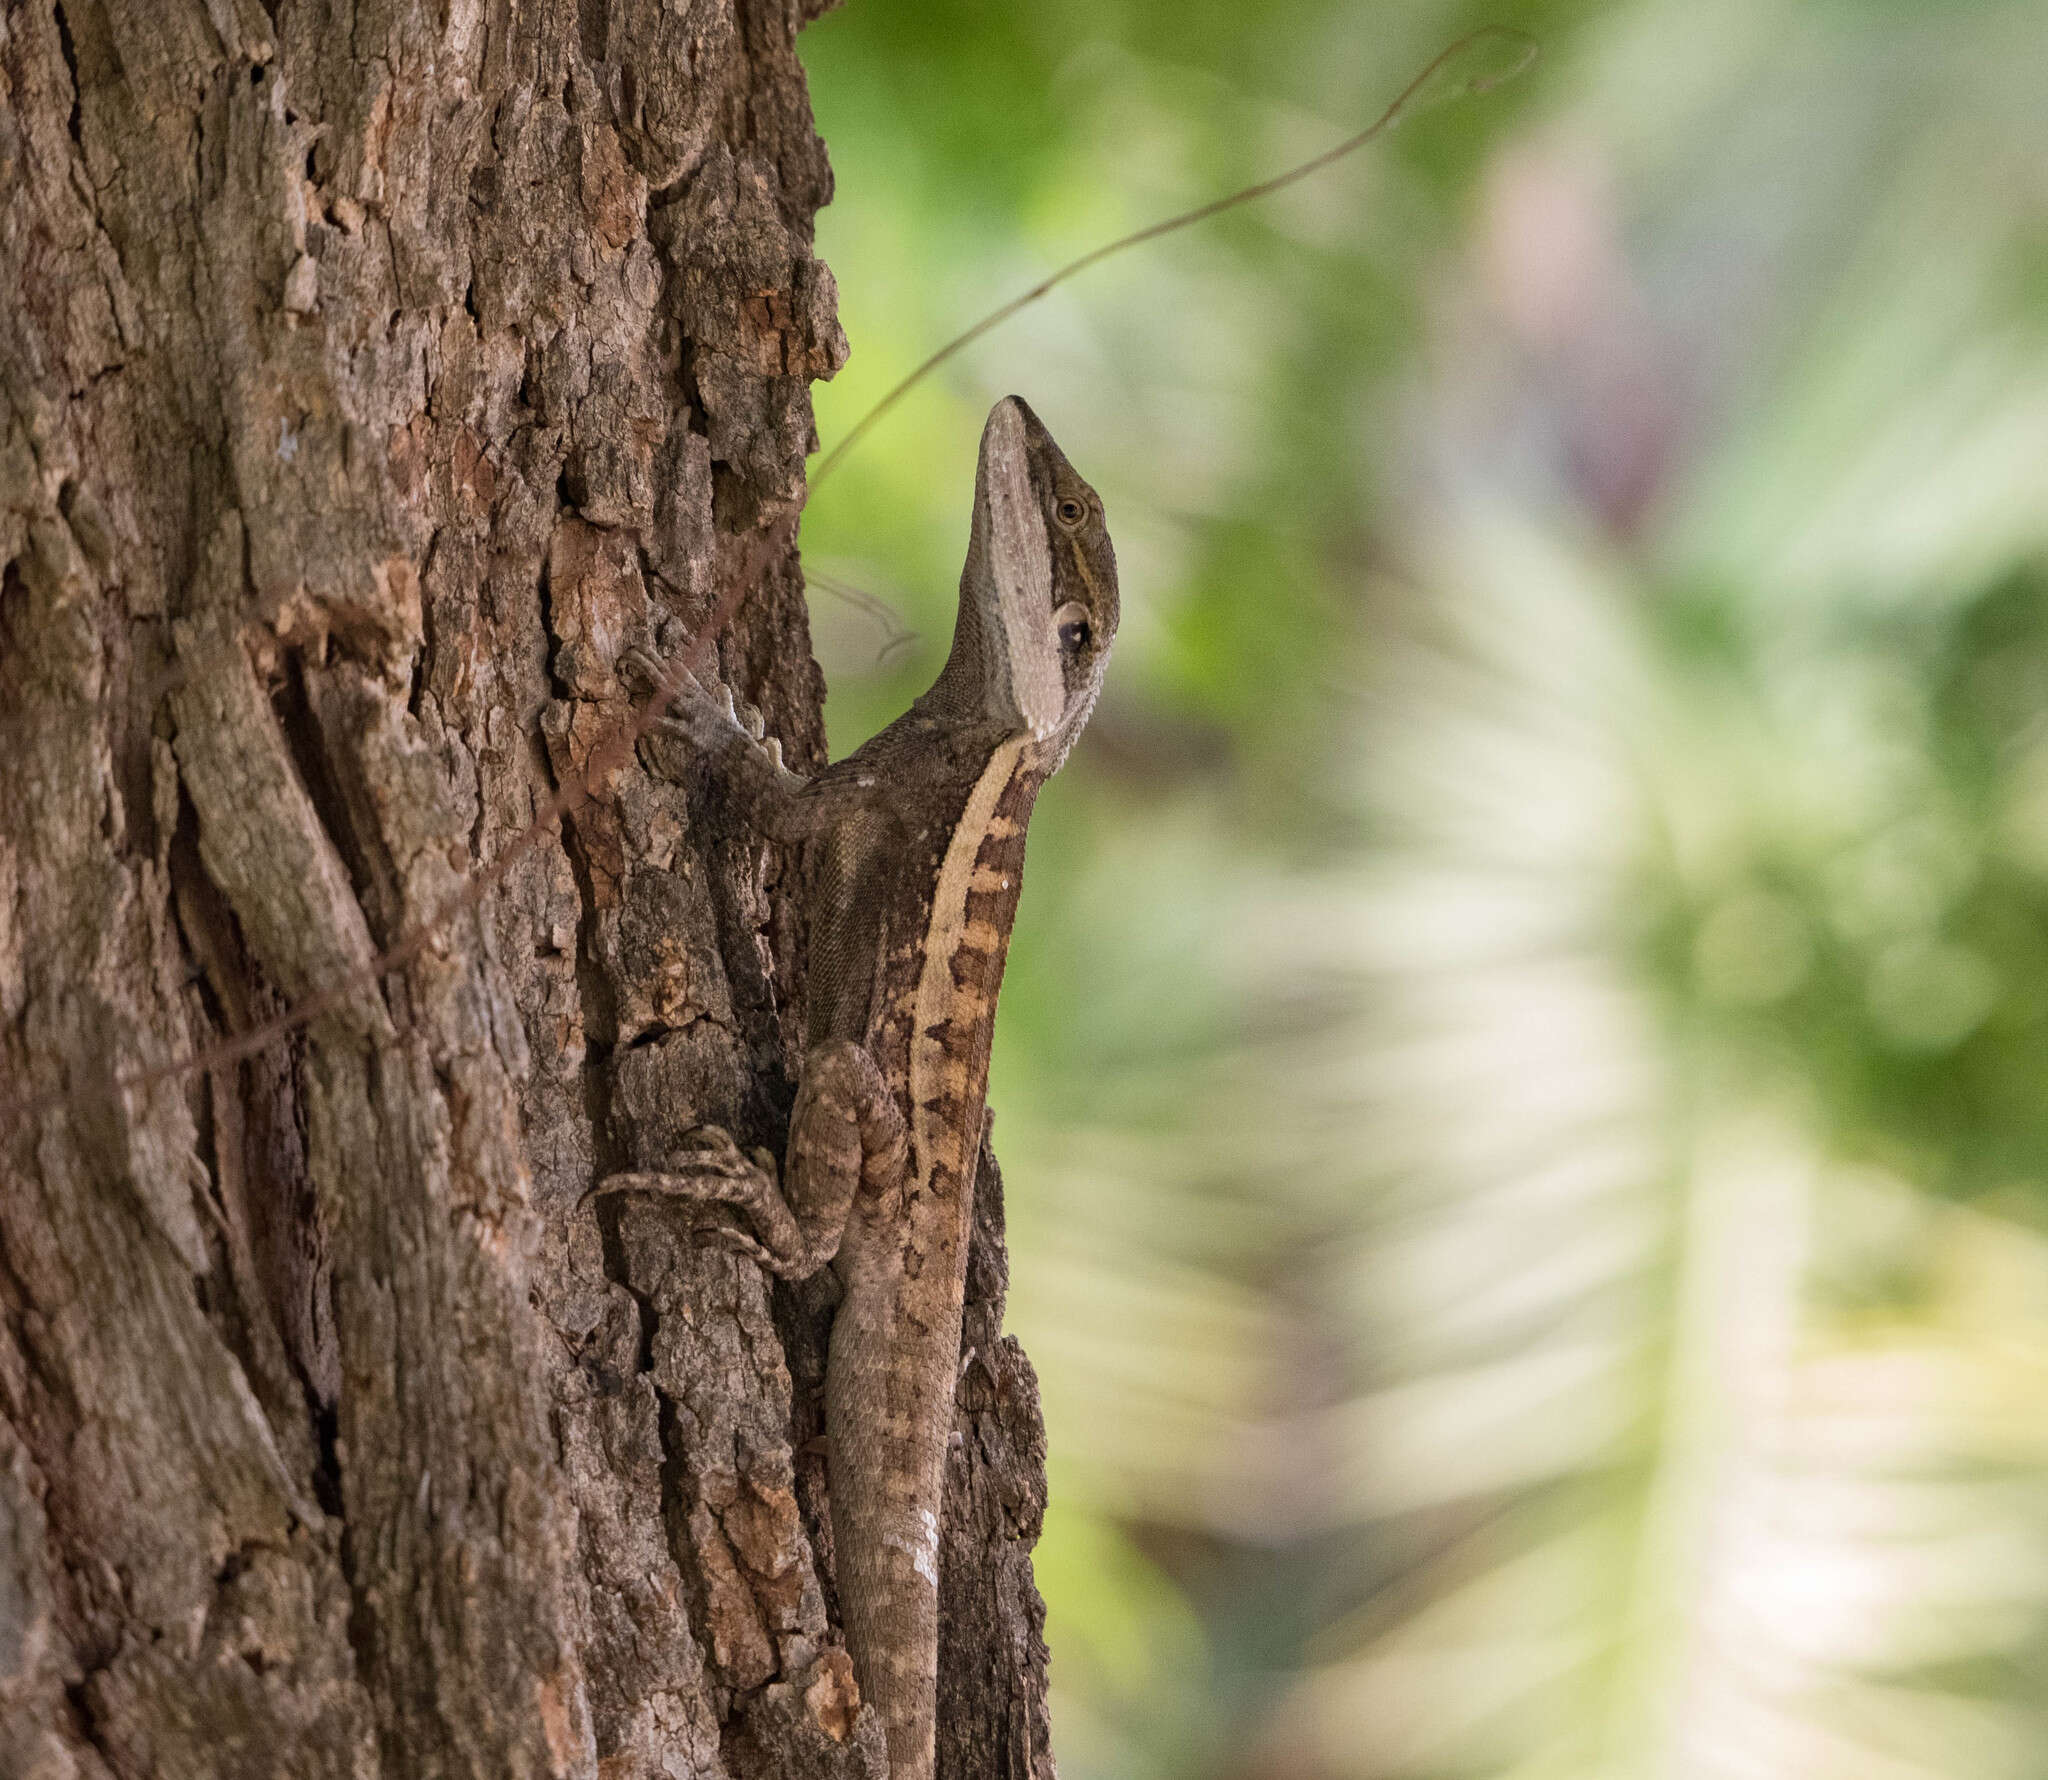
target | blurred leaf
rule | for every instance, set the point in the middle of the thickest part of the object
(1520, 1078)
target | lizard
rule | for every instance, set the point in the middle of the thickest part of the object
(916, 852)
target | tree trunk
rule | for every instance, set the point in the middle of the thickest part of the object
(372, 376)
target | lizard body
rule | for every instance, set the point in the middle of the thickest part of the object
(917, 864)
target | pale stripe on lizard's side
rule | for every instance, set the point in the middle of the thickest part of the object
(890, 1591)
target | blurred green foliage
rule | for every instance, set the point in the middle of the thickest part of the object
(1521, 1071)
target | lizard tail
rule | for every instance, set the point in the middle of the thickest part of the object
(888, 1420)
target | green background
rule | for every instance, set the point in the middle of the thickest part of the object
(1521, 1079)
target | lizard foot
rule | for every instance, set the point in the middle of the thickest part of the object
(700, 714)
(715, 1170)
(707, 721)
(725, 1236)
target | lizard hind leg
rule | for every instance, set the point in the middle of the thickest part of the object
(714, 1170)
(845, 1135)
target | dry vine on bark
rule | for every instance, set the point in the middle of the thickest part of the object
(373, 375)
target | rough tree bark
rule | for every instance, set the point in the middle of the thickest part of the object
(372, 375)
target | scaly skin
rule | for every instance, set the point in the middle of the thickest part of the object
(917, 862)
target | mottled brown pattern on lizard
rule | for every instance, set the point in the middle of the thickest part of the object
(917, 858)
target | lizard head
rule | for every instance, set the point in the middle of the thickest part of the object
(1038, 597)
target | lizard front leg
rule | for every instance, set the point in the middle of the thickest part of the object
(770, 798)
(845, 1139)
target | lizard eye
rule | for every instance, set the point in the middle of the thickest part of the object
(1073, 626)
(1071, 512)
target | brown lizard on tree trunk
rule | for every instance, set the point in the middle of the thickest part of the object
(918, 859)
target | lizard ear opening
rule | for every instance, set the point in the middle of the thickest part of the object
(1020, 564)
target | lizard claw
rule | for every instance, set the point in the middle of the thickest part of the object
(710, 1168)
(709, 1153)
(712, 1149)
(726, 1236)
(698, 713)
(644, 672)
(721, 732)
